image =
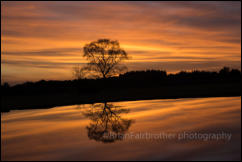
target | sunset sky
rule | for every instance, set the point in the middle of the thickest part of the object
(44, 40)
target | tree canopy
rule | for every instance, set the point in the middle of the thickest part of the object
(104, 57)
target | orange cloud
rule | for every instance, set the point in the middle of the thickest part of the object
(162, 35)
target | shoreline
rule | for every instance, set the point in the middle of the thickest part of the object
(44, 101)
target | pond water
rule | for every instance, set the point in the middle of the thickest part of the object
(166, 129)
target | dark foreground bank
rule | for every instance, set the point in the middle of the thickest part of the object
(139, 85)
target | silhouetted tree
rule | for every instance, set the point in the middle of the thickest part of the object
(78, 72)
(107, 125)
(148, 74)
(225, 71)
(5, 85)
(104, 58)
(235, 72)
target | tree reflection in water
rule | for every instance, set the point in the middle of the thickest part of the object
(106, 123)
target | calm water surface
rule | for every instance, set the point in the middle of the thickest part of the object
(171, 129)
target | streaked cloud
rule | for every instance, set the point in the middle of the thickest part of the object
(50, 35)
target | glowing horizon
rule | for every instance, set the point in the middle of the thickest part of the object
(44, 40)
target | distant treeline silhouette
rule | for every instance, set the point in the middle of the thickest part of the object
(132, 79)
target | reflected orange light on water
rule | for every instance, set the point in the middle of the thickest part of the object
(61, 133)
